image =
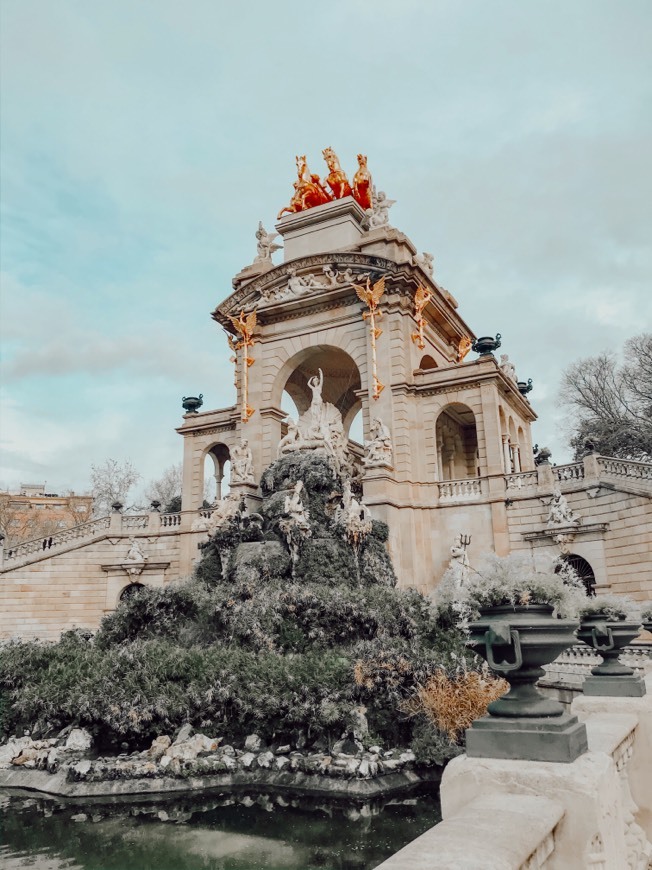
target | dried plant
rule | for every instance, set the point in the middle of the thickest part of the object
(452, 703)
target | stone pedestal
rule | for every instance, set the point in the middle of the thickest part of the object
(329, 227)
(588, 790)
(551, 738)
(627, 686)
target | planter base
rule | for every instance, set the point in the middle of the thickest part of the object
(615, 687)
(559, 738)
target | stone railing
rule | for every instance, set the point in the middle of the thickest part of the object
(134, 522)
(169, 521)
(572, 471)
(487, 833)
(570, 669)
(468, 489)
(625, 468)
(43, 545)
(522, 480)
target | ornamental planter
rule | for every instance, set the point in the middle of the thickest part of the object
(191, 404)
(608, 637)
(486, 345)
(516, 642)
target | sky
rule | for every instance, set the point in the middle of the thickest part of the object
(141, 143)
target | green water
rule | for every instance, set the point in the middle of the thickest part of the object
(216, 831)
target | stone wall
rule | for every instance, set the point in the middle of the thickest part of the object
(74, 583)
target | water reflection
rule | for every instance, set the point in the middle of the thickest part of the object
(241, 831)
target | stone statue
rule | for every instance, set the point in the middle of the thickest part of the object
(380, 207)
(427, 262)
(292, 440)
(316, 382)
(135, 553)
(265, 245)
(378, 450)
(294, 507)
(560, 513)
(459, 562)
(353, 515)
(224, 510)
(242, 464)
(508, 367)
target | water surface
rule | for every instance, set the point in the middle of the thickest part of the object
(209, 831)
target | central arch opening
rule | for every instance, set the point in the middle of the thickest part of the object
(341, 382)
(457, 443)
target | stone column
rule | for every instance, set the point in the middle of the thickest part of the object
(506, 457)
(516, 450)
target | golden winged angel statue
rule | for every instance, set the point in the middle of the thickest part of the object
(245, 325)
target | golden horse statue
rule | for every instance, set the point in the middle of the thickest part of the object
(336, 178)
(308, 190)
(362, 183)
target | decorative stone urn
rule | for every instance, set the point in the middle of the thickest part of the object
(524, 387)
(516, 642)
(608, 637)
(486, 345)
(191, 404)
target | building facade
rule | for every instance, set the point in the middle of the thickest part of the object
(355, 304)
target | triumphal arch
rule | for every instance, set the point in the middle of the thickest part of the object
(350, 346)
(356, 305)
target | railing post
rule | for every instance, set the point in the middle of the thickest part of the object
(591, 468)
(2, 550)
(116, 517)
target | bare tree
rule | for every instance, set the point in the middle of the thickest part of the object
(610, 403)
(167, 488)
(112, 482)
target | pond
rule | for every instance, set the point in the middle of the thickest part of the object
(210, 831)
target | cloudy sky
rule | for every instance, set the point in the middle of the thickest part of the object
(143, 140)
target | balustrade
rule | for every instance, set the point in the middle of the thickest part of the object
(132, 522)
(170, 520)
(625, 468)
(460, 490)
(43, 545)
(572, 471)
(521, 481)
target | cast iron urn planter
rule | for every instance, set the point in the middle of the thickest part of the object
(191, 404)
(486, 345)
(608, 637)
(524, 387)
(516, 642)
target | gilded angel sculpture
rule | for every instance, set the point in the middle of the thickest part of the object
(370, 295)
(245, 324)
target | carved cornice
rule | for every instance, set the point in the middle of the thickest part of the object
(364, 262)
(574, 531)
(214, 430)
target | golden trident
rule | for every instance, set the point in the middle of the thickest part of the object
(244, 325)
(371, 296)
(421, 298)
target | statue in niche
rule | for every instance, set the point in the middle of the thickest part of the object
(242, 464)
(265, 245)
(362, 183)
(459, 563)
(507, 367)
(560, 513)
(427, 262)
(378, 449)
(316, 382)
(380, 207)
(336, 178)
